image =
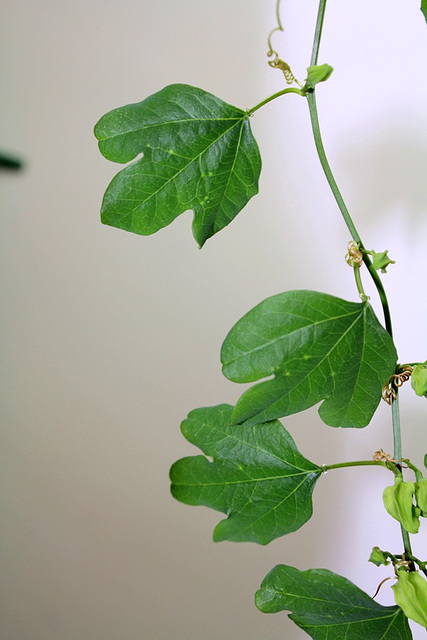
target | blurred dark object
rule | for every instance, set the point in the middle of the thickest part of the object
(9, 163)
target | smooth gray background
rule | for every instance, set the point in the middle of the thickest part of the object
(109, 339)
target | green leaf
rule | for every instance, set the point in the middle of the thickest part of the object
(317, 347)
(199, 154)
(257, 477)
(424, 8)
(329, 607)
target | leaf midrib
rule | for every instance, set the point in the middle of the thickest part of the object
(249, 481)
(142, 129)
(327, 601)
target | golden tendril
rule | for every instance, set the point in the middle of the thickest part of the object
(354, 256)
(401, 563)
(278, 63)
(382, 455)
(395, 382)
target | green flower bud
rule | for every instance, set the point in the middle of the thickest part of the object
(419, 379)
(389, 499)
(410, 594)
(421, 496)
(378, 557)
(317, 73)
(398, 501)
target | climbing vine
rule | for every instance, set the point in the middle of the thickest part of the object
(184, 148)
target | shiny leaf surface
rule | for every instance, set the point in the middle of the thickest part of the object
(257, 476)
(198, 154)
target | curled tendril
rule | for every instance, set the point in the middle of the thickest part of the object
(271, 51)
(395, 382)
(277, 63)
(354, 256)
(401, 563)
(382, 455)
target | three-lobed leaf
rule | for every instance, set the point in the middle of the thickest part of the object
(198, 153)
(329, 607)
(257, 476)
(317, 347)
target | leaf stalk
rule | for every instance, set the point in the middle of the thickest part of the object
(250, 112)
(358, 463)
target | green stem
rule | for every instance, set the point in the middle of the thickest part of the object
(273, 97)
(329, 175)
(359, 283)
(397, 438)
(318, 32)
(406, 541)
(354, 234)
(381, 292)
(356, 463)
(343, 208)
(327, 169)
(418, 474)
(397, 441)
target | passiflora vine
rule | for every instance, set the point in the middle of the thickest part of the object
(188, 149)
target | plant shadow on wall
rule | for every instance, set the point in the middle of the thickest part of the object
(389, 163)
(297, 348)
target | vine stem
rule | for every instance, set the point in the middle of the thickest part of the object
(343, 208)
(397, 440)
(330, 177)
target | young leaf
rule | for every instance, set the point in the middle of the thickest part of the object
(318, 347)
(257, 477)
(199, 154)
(379, 557)
(316, 74)
(329, 607)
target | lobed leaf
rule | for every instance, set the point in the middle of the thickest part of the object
(329, 607)
(317, 347)
(257, 476)
(198, 153)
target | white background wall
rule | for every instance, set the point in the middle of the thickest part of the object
(109, 339)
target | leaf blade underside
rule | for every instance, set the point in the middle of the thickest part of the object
(317, 347)
(257, 477)
(199, 154)
(329, 607)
